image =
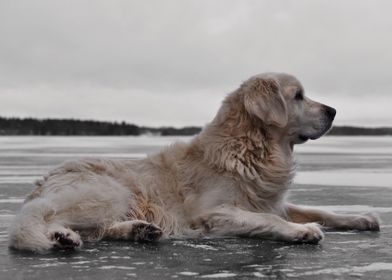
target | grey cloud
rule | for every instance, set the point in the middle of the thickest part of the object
(336, 48)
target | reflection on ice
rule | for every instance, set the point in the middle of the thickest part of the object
(358, 177)
(355, 208)
(12, 200)
(116, 267)
(224, 274)
(348, 145)
(344, 270)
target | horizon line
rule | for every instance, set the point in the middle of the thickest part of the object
(159, 126)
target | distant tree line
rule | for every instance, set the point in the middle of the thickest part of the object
(31, 126)
(358, 131)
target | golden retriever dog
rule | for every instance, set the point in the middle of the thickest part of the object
(230, 180)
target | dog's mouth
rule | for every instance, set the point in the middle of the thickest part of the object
(318, 130)
(303, 137)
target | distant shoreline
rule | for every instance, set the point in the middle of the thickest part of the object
(74, 127)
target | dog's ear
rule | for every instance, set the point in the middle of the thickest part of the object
(263, 99)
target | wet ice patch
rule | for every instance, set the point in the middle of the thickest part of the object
(81, 262)
(348, 145)
(18, 179)
(352, 177)
(223, 274)
(188, 273)
(11, 200)
(373, 267)
(350, 242)
(44, 265)
(353, 208)
(259, 266)
(259, 275)
(120, 257)
(116, 267)
(202, 246)
(196, 246)
(341, 233)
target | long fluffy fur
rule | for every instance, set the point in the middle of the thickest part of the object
(237, 160)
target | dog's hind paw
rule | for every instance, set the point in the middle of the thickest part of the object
(66, 239)
(136, 230)
(144, 231)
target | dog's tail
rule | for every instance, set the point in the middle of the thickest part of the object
(29, 230)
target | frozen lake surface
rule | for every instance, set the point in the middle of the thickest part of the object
(345, 174)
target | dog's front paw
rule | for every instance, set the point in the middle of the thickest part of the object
(364, 222)
(307, 233)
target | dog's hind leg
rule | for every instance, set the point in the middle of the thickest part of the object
(32, 230)
(134, 230)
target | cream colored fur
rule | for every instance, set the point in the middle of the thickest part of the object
(230, 180)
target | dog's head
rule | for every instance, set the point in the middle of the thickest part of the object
(278, 102)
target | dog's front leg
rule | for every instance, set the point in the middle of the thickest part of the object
(228, 220)
(300, 214)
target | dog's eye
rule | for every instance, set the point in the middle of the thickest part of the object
(299, 95)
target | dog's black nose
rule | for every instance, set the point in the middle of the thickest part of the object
(331, 112)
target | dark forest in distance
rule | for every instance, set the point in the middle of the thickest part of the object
(72, 127)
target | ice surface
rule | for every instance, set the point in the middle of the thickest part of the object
(342, 174)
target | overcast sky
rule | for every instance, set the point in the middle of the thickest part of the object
(172, 62)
